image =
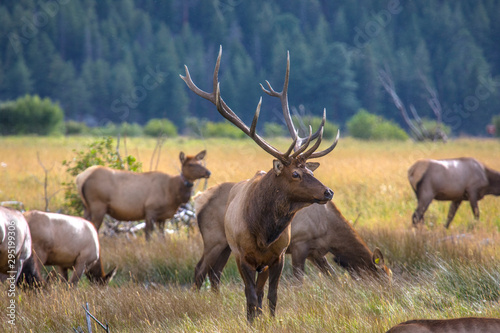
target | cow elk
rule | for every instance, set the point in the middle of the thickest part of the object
(128, 196)
(455, 325)
(15, 247)
(260, 209)
(316, 230)
(452, 180)
(68, 242)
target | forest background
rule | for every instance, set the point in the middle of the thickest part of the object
(119, 61)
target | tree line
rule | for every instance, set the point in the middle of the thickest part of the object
(119, 61)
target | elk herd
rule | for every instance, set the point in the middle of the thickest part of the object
(285, 210)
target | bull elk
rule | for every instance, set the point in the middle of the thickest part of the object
(15, 247)
(455, 325)
(452, 180)
(260, 209)
(315, 231)
(128, 196)
(68, 242)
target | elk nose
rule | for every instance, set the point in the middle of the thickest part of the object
(208, 173)
(328, 194)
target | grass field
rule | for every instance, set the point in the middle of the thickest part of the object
(438, 273)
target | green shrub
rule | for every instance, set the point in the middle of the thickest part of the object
(133, 129)
(100, 152)
(431, 126)
(272, 130)
(367, 126)
(31, 115)
(496, 122)
(75, 127)
(157, 127)
(222, 130)
(110, 129)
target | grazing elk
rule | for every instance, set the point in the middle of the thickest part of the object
(316, 231)
(68, 242)
(128, 196)
(260, 209)
(455, 325)
(452, 180)
(15, 247)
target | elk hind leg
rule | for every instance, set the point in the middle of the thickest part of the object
(323, 265)
(299, 256)
(453, 210)
(423, 203)
(215, 273)
(207, 263)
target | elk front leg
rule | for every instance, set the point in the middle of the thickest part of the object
(150, 226)
(248, 276)
(299, 256)
(274, 279)
(453, 210)
(474, 205)
(261, 283)
(323, 265)
(423, 204)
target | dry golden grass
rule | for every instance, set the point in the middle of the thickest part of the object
(437, 273)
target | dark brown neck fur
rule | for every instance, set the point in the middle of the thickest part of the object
(183, 193)
(269, 211)
(350, 251)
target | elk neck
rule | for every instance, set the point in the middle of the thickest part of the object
(186, 182)
(184, 188)
(269, 210)
(493, 180)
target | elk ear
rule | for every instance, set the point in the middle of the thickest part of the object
(182, 157)
(201, 155)
(278, 167)
(312, 165)
(378, 257)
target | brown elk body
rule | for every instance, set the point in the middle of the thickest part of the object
(68, 242)
(455, 325)
(259, 210)
(316, 230)
(15, 245)
(129, 196)
(452, 180)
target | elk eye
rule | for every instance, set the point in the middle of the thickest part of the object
(295, 174)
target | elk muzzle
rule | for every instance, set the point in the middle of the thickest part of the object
(327, 196)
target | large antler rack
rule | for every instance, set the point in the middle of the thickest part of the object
(299, 145)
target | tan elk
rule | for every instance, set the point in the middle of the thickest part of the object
(68, 242)
(260, 209)
(129, 196)
(455, 325)
(15, 246)
(316, 231)
(452, 180)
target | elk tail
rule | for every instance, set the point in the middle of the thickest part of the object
(80, 182)
(416, 173)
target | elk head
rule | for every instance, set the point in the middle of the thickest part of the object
(290, 168)
(193, 168)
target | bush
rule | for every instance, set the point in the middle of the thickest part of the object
(431, 126)
(272, 130)
(496, 123)
(222, 130)
(101, 152)
(75, 127)
(367, 126)
(133, 129)
(157, 127)
(31, 115)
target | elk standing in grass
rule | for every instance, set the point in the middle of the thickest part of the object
(15, 246)
(260, 209)
(455, 325)
(452, 180)
(68, 242)
(315, 231)
(128, 196)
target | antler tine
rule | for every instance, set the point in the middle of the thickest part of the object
(311, 152)
(305, 145)
(328, 150)
(283, 96)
